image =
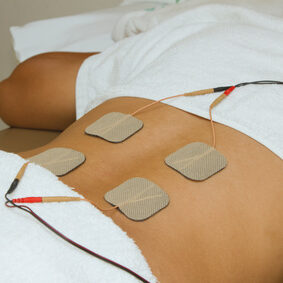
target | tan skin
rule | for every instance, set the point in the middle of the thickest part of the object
(227, 228)
(40, 93)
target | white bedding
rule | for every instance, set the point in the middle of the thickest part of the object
(87, 32)
(29, 252)
(141, 21)
(197, 47)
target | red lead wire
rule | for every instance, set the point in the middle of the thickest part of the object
(27, 200)
(46, 199)
(229, 90)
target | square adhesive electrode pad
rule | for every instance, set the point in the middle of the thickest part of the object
(138, 198)
(115, 127)
(59, 160)
(197, 161)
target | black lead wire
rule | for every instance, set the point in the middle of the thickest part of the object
(9, 203)
(264, 82)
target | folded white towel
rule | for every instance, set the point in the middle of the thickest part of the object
(203, 47)
(136, 22)
(31, 253)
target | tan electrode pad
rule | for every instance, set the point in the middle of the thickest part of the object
(59, 160)
(138, 198)
(197, 161)
(115, 127)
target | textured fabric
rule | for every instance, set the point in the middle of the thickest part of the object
(199, 47)
(137, 22)
(31, 253)
(60, 161)
(86, 32)
(115, 127)
(197, 161)
(138, 198)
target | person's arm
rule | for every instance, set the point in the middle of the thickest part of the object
(40, 93)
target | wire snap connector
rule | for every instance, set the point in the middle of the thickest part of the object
(229, 90)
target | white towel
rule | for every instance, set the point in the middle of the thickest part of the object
(202, 47)
(140, 21)
(29, 252)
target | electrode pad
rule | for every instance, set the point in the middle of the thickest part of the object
(197, 161)
(138, 198)
(114, 127)
(59, 160)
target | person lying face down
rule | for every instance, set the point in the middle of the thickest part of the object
(224, 229)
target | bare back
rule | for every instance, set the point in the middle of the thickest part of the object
(227, 228)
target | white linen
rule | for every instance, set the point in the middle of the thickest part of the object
(140, 21)
(269, 6)
(82, 33)
(31, 253)
(202, 47)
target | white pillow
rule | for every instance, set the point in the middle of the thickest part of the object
(82, 33)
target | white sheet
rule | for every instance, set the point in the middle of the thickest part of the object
(140, 21)
(29, 252)
(202, 47)
(82, 33)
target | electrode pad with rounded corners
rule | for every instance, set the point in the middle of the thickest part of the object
(115, 127)
(197, 161)
(59, 160)
(138, 198)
